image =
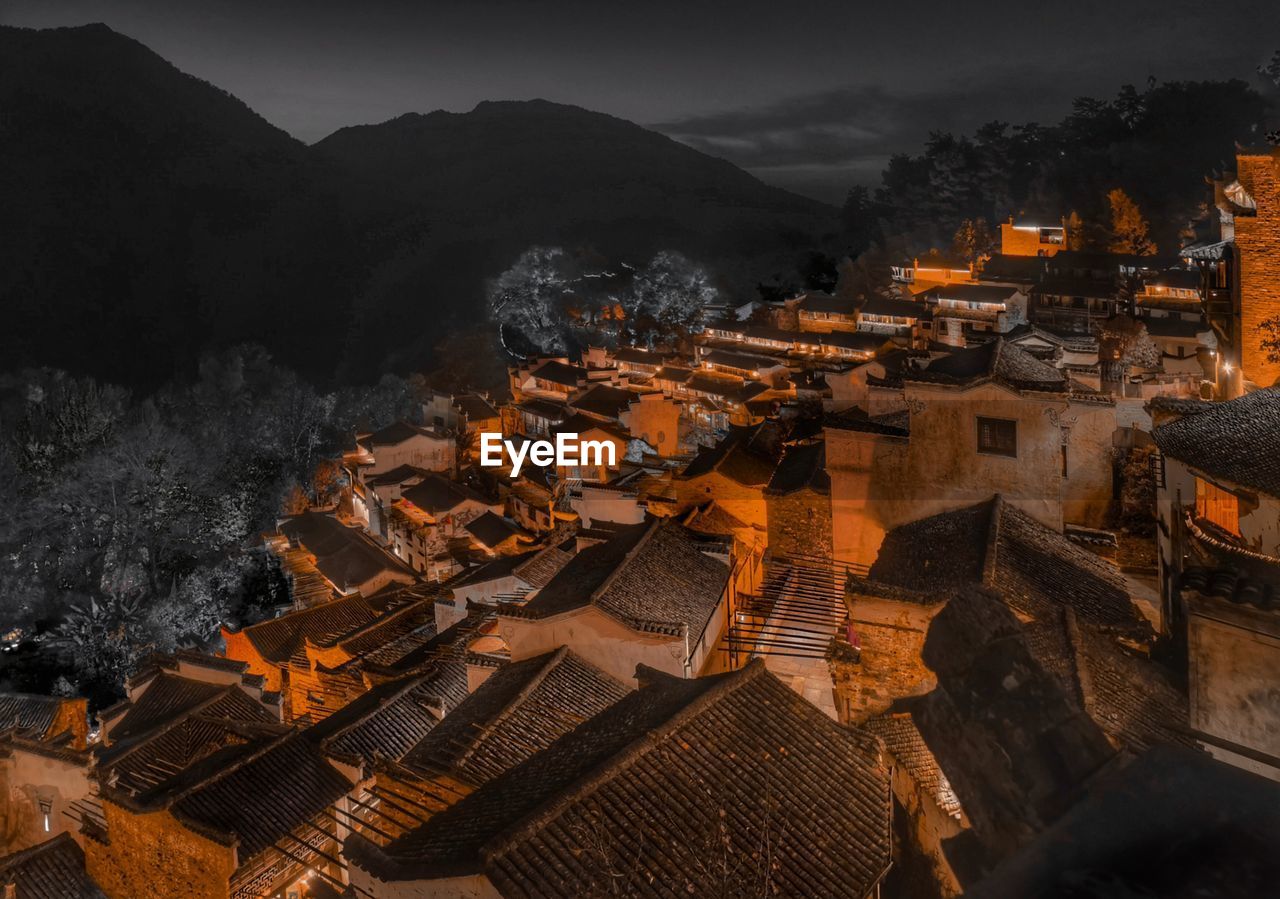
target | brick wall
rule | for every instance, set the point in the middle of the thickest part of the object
(153, 855)
(1258, 241)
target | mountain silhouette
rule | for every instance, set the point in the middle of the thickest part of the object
(148, 216)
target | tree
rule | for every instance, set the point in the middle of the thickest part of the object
(859, 220)
(973, 240)
(1075, 231)
(666, 298)
(1130, 232)
(527, 301)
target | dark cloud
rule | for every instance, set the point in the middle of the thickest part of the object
(822, 143)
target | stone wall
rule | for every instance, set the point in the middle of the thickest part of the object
(800, 523)
(153, 855)
(1258, 241)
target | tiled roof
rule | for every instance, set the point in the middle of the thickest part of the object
(437, 493)
(167, 697)
(650, 576)
(849, 340)
(393, 717)
(397, 475)
(1234, 586)
(475, 407)
(743, 361)
(1234, 441)
(657, 786)
(998, 361)
(345, 555)
(902, 740)
(803, 465)
(604, 400)
(396, 432)
(491, 529)
(746, 455)
(559, 373)
(277, 639)
(399, 620)
(820, 301)
(141, 765)
(50, 870)
(519, 710)
(1004, 267)
(538, 570)
(1037, 570)
(892, 424)
(935, 556)
(898, 308)
(1129, 696)
(1015, 746)
(29, 712)
(970, 293)
(266, 796)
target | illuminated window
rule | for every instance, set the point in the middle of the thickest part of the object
(1217, 506)
(997, 436)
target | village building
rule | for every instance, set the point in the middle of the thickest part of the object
(734, 473)
(466, 415)
(907, 322)
(348, 559)
(44, 785)
(1008, 270)
(247, 821)
(982, 420)
(1218, 492)
(493, 535)
(44, 766)
(268, 647)
(325, 670)
(934, 270)
(507, 579)
(961, 312)
(1012, 743)
(923, 796)
(1233, 648)
(1239, 261)
(520, 710)
(1072, 304)
(402, 443)
(1032, 236)
(425, 523)
(821, 312)
(53, 869)
(1040, 574)
(47, 719)
(653, 592)
(654, 419)
(828, 790)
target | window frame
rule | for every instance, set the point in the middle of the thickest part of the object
(978, 424)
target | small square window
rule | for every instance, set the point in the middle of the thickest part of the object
(998, 436)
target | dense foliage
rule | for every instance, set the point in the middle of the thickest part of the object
(130, 520)
(554, 301)
(1156, 145)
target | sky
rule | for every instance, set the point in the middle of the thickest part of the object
(811, 95)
